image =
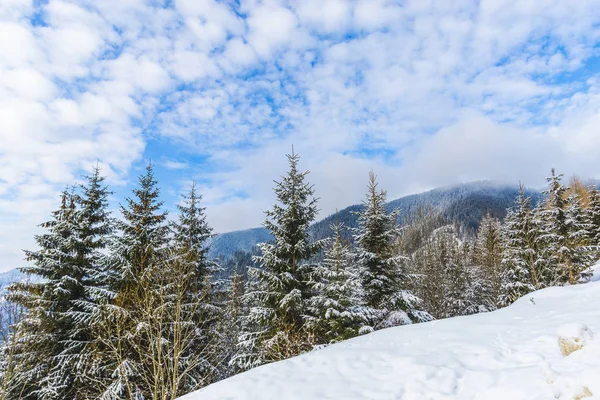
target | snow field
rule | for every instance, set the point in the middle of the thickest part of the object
(510, 354)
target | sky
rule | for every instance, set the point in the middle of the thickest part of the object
(425, 93)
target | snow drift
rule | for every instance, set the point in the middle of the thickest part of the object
(509, 354)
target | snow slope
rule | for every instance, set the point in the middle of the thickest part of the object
(509, 354)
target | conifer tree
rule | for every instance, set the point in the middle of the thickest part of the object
(278, 290)
(519, 267)
(334, 309)
(136, 255)
(229, 326)
(592, 216)
(144, 233)
(191, 235)
(45, 327)
(457, 296)
(579, 254)
(431, 285)
(93, 227)
(488, 256)
(202, 300)
(382, 272)
(551, 220)
(71, 259)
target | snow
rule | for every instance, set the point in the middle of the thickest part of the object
(511, 354)
(596, 273)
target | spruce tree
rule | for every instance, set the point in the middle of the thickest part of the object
(488, 256)
(592, 217)
(519, 267)
(204, 295)
(279, 288)
(136, 255)
(144, 233)
(579, 254)
(551, 220)
(229, 326)
(192, 233)
(334, 309)
(458, 296)
(45, 328)
(382, 272)
(431, 284)
(70, 260)
(93, 227)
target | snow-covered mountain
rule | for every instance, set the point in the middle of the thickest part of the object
(225, 244)
(510, 354)
(465, 203)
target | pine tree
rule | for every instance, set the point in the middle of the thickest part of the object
(278, 290)
(334, 309)
(45, 327)
(520, 275)
(230, 325)
(93, 226)
(488, 255)
(144, 233)
(136, 255)
(461, 295)
(592, 216)
(203, 294)
(551, 220)
(382, 272)
(191, 235)
(579, 254)
(431, 285)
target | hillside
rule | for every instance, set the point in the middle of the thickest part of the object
(511, 354)
(465, 203)
(225, 244)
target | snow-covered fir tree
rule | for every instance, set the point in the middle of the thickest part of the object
(488, 256)
(93, 227)
(383, 273)
(71, 259)
(580, 255)
(144, 232)
(592, 216)
(519, 267)
(334, 309)
(135, 255)
(191, 235)
(279, 289)
(430, 285)
(202, 302)
(551, 221)
(229, 326)
(45, 329)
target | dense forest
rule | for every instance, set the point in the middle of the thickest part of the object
(135, 308)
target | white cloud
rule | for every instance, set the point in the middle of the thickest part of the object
(424, 92)
(270, 26)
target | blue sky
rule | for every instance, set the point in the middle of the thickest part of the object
(426, 93)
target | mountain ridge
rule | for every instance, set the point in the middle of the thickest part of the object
(465, 203)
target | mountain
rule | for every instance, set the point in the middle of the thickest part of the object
(513, 353)
(464, 204)
(225, 244)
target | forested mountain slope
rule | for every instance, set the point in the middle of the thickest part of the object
(464, 204)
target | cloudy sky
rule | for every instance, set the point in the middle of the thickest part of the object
(426, 93)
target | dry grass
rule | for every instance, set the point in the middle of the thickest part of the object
(586, 393)
(569, 345)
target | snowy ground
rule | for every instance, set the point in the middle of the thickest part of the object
(509, 354)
